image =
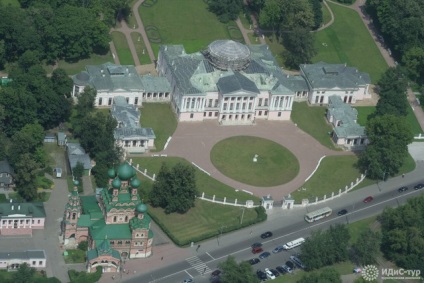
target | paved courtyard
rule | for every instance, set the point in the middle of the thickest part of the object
(194, 141)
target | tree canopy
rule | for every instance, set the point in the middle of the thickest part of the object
(226, 10)
(233, 272)
(366, 248)
(328, 275)
(174, 189)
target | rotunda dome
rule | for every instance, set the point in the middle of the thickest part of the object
(141, 208)
(116, 183)
(135, 182)
(228, 54)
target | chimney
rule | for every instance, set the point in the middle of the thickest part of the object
(12, 206)
(19, 207)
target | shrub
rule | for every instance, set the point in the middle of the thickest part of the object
(83, 245)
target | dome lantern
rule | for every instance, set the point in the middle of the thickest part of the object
(116, 184)
(141, 208)
(125, 172)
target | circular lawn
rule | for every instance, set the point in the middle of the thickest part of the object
(275, 165)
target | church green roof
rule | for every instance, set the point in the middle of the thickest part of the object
(99, 230)
(137, 223)
(125, 171)
(103, 248)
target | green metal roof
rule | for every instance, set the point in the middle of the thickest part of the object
(84, 221)
(151, 234)
(347, 115)
(99, 230)
(236, 82)
(155, 84)
(103, 248)
(91, 207)
(123, 198)
(33, 209)
(137, 223)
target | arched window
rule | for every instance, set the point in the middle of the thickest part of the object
(126, 218)
(114, 219)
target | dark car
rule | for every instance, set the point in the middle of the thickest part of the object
(254, 261)
(418, 186)
(402, 189)
(342, 212)
(264, 255)
(290, 264)
(216, 273)
(256, 245)
(281, 270)
(297, 261)
(278, 249)
(257, 250)
(368, 199)
(266, 235)
(288, 269)
(261, 275)
(275, 272)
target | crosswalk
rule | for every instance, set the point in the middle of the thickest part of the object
(198, 264)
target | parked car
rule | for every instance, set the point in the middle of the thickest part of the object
(257, 250)
(342, 212)
(264, 255)
(402, 189)
(269, 274)
(297, 261)
(419, 186)
(281, 270)
(290, 264)
(216, 272)
(261, 275)
(275, 272)
(266, 235)
(278, 249)
(188, 280)
(287, 269)
(256, 245)
(368, 199)
(254, 261)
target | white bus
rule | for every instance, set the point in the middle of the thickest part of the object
(318, 214)
(293, 244)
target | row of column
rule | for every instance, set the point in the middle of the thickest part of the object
(193, 104)
(281, 102)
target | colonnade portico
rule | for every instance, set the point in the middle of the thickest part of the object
(283, 102)
(193, 104)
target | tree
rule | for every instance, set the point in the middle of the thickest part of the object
(62, 83)
(328, 275)
(392, 103)
(174, 190)
(299, 43)
(414, 63)
(26, 175)
(270, 15)
(366, 248)
(394, 79)
(28, 140)
(226, 10)
(25, 274)
(389, 137)
(317, 11)
(233, 272)
(78, 172)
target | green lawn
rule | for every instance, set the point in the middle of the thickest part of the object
(131, 19)
(121, 45)
(277, 49)
(363, 113)
(74, 68)
(348, 41)
(334, 173)
(174, 26)
(275, 164)
(75, 256)
(13, 3)
(139, 47)
(412, 121)
(164, 127)
(205, 183)
(326, 16)
(204, 219)
(357, 227)
(311, 119)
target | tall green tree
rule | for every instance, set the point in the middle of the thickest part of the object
(174, 190)
(25, 274)
(327, 275)
(233, 272)
(299, 44)
(389, 137)
(225, 10)
(366, 248)
(62, 83)
(26, 174)
(317, 11)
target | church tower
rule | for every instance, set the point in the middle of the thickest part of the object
(142, 236)
(73, 211)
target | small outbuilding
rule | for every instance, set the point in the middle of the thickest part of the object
(49, 138)
(61, 139)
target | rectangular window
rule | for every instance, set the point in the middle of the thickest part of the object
(39, 221)
(260, 113)
(210, 103)
(266, 102)
(231, 106)
(260, 102)
(33, 262)
(216, 114)
(237, 106)
(100, 101)
(40, 263)
(224, 117)
(191, 115)
(225, 106)
(210, 114)
(279, 114)
(244, 105)
(204, 114)
(250, 106)
(136, 101)
(109, 101)
(265, 113)
(127, 99)
(216, 103)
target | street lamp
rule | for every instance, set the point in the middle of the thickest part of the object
(242, 214)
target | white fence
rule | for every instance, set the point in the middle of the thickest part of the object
(419, 137)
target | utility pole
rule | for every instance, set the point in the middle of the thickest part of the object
(242, 214)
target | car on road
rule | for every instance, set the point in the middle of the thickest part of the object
(290, 264)
(257, 250)
(275, 272)
(261, 275)
(278, 249)
(368, 199)
(254, 261)
(256, 245)
(418, 186)
(264, 255)
(269, 274)
(297, 261)
(402, 189)
(216, 273)
(188, 280)
(266, 235)
(342, 212)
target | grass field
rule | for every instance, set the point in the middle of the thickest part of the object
(163, 127)
(363, 113)
(276, 47)
(121, 45)
(275, 164)
(348, 41)
(413, 122)
(139, 47)
(205, 218)
(75, 256)
(356, 228)
(334, 173)
(326, 16)
(131, 19)
(13, 3)
(312, 120)
(173, 25)
(205, 183)
(74, 68)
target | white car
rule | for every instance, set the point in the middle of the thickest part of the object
(269, 274)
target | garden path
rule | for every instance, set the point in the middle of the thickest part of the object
(332, 18)
(114, 53)
(243, 31)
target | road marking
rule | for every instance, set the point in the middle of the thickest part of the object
(185, 272)
(209, 255)
(198, 265)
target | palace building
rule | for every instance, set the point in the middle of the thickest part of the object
(229, 81)
(114, 222)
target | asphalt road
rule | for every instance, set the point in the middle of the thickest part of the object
(286, 226)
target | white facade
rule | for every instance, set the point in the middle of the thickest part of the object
(12, 260)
